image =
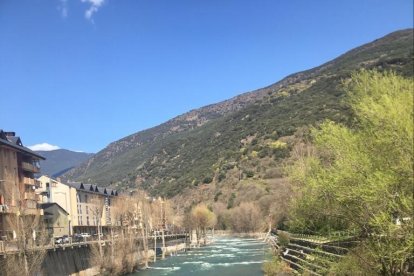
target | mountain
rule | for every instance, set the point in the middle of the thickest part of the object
(246, 138)
(60, 161)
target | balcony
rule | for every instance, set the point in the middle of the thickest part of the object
(32, 182)
(28, 181)
(31, 196)
(30, 167)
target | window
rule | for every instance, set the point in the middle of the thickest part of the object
(87, 220)
(86, 198)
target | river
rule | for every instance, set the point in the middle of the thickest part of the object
(226, 256)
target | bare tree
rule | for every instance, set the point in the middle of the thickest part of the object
(96, 207)
(29, 235)
(247, 218)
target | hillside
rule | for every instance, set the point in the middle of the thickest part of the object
(234, 149)
(60, 161)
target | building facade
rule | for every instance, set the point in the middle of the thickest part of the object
(55, 219)
(93, 208)
(53, 191)
(88, 206)
(18, 166)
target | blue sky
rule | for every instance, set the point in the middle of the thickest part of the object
(80, 74)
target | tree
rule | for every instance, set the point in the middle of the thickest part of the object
(361, 178)
(29, 236)
(202, 218)
(96, 207)
(246, 218)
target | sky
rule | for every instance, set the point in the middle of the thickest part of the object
(80, 74)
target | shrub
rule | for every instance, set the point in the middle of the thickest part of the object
(276, 267)
(207, 180)
(249, 173)
(283, 238)
(231, 201)
(217, 196)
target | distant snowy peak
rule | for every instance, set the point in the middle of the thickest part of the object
(43, 147)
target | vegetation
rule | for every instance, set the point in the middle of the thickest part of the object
(231, 155)
(210, 142)
(360, 178)
(201, 219)
(29, 238)
(276, 267)
(139, 217)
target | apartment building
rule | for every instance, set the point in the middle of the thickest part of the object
(53, 191)
(18, 165)
(93, 207)
(86, 205)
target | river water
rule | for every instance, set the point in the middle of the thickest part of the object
(226, 256)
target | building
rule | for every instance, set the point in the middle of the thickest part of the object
(53, 191)
(93, 208)
(56, 219)
(18, 165)
(87, 205)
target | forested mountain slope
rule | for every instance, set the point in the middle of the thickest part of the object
(246, 137)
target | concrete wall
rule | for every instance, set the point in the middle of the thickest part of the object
(77, 260)
(70, 261)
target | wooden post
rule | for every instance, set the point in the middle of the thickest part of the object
(155, 246)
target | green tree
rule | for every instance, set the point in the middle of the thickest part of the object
(361, 178)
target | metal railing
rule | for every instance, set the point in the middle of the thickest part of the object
(10, 245)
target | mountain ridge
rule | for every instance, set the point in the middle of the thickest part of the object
(166, 155)
(61, 160)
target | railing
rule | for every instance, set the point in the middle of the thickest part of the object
(31, 196)
(28, 181)
(10, 245)
(30, 167)
(335, 236)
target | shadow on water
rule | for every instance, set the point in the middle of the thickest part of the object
(225, 256)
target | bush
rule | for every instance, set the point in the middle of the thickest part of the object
(221, 176)
(283, 238)
(217, 196)
(249, 173)
(231, 201)
(276, 267)
(207, 180)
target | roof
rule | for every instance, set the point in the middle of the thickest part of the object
(52, 204)
(16, 143)
(92, 188)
